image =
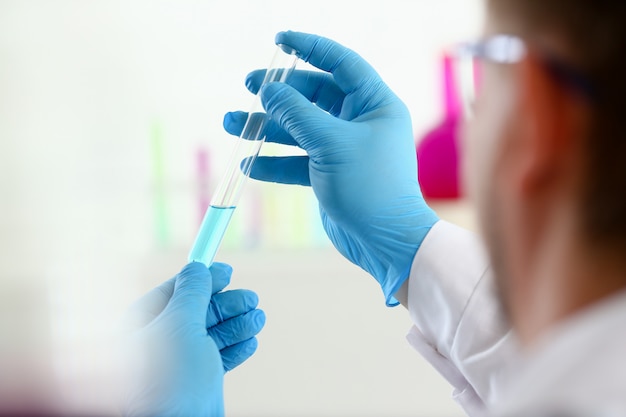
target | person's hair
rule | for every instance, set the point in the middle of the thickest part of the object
(594, 31)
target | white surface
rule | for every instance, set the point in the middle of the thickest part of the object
(330, 347)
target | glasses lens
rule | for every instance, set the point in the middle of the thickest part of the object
(468, 76)
(502, 49)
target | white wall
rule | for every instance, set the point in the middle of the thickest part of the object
(92, 91)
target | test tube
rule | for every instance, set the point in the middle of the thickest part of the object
(247, 147)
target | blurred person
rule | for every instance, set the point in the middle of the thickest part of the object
(533, 326)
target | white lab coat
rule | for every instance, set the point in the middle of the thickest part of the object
(579, 368)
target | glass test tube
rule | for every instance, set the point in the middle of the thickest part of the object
(225, 198)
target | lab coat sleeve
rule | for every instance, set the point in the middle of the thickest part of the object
(458, 324)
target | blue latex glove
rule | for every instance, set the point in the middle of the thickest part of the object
(361, 159)
(181, 337)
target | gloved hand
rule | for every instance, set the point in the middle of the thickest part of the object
(181, 337)
(361, 159)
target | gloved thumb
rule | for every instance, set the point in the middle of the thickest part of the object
(295, 114)
(220, 272)
(192, 294)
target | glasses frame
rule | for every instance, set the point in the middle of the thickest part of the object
(510, 49)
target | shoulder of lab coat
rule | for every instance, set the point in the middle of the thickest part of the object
(458, 325)
(578, 368)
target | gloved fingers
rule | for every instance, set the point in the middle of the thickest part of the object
(305, 122)
(237, 329)
(229, 304)
(318, 87)
(234, 123)
(192, 294)
(351, 72)
(235, 355)
(149, 306)
(221, 273)
(282, 169)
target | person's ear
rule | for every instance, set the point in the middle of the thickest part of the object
(554, 119)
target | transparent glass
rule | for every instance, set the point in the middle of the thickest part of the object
(247, 147)
(467, 72)
(501, 49)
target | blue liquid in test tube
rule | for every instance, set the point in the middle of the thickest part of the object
(224, 201)
(216, 220)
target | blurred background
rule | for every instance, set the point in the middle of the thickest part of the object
(111, 143)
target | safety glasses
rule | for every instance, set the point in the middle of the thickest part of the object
(507, 49)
